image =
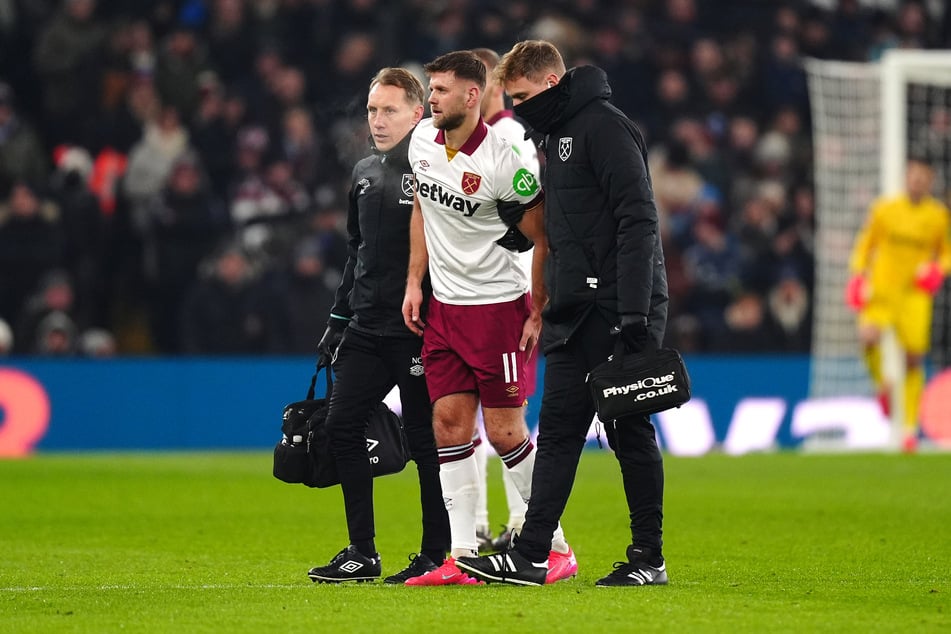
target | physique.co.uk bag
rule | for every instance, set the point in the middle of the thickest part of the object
(644, 383)
(303, 454)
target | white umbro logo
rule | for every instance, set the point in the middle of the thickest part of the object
(351, 566)
(371, 444)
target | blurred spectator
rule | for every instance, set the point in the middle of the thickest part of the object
(301, 145)
(674, 101)
(6, 338)
(677, 186)
(55, 336)
(231, 38)
(791, 310)
(713, 266)
(186, 221)
(748, 327)
(181, 67)
(306, 289)
(121, 126)
(223, 312)
(150, 162)
(97, 343)
(67, 58)
(21, 153)
(54, 296)
(31, 245)
(84, 228)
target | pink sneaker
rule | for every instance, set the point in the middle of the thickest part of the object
(561, 566)
(448, 574)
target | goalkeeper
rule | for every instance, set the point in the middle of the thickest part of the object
(898, 263)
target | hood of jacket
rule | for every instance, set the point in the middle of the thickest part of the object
(576, 89)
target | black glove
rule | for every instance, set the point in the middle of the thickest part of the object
(634, 335)
(327, 347)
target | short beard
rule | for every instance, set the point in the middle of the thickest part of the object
(450, 122)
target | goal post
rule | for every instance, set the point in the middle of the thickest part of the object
(867, 118)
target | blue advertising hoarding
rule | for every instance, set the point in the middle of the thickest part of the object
(739, 404)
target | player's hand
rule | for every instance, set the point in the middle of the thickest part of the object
(412, 306)
(856, 292)
(929, 277)
(531, 330)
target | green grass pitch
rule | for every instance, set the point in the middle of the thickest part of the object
(210, 542)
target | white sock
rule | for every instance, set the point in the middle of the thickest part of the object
(459, 474)
(520, 463)
(482, 502)
(517, 506)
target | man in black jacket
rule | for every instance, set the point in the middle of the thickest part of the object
(606, 279)
(371, 348)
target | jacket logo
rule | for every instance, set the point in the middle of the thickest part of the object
(470, 183)
(362, 185)
(407, 184)
(564, 148)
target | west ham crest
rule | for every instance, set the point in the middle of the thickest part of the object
(407, 184)
(470, 183)
(564, 148)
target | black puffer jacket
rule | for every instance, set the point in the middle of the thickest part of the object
(600, 217)
(374, 279)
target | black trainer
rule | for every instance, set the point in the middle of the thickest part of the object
(348, 565)
(508, 567)
(638, 570)
(418, 565)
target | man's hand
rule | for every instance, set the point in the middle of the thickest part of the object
(328, 344)
(634, 335)
(412, 305)
(856, 292)
(531, 330)
(929, 277)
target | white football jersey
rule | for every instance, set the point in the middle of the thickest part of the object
(459, 200)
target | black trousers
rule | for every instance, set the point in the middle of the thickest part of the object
(366, 369)
(566, 413)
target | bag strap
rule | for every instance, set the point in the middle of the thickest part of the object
(321, 364)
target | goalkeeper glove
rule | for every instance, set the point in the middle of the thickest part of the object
(929, 278)
(856, 292)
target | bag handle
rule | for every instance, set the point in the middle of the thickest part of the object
(321, 364)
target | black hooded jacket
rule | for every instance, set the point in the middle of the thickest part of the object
(374, 279)
(600, 216)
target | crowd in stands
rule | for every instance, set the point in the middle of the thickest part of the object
(174, 173)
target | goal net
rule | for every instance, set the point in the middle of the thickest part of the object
(867, 119)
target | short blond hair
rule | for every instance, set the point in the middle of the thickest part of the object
(400, 78)
(532, 59)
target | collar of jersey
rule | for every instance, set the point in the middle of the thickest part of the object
(474, 141)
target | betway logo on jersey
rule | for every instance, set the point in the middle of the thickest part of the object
(654, 386)
(447, 198)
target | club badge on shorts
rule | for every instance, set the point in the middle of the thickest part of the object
(564, 147)
(470, 183)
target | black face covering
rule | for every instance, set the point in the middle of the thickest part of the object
(544, 109)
